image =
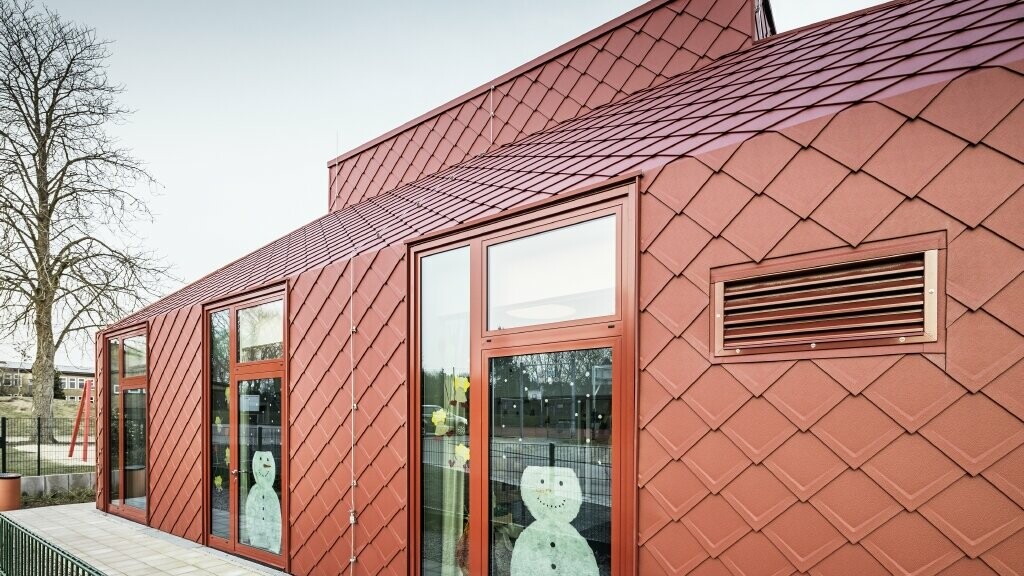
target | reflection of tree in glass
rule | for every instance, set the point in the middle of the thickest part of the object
(257, 320)
(585, 369)
(219, 346)
(553, 395)
(573, 366)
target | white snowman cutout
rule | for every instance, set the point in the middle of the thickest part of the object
(262, 506)
(550, 545)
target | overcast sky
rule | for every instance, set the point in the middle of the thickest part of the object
(239, 105)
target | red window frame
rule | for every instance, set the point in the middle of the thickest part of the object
(617, 331)
(130, 383)
(276, 368)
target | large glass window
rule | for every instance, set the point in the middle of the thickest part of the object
(114, 421)
(261, 332)
(134, 356)
(135, 448)
(259, 458)
(563, 274)
(444, 378)
(126, 384)
(550, 469)
(220, 421)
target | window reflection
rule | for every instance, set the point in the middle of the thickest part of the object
(261, 332)
(114, 386)
(563, 274)
(135, 447)
(445, 386)
(259, 462)
(220, 420)
(134, 356)
(550, 469)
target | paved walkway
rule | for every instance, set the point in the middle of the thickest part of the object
(120, 547)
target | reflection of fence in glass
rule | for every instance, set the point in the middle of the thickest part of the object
(555, 396)
(592, 465)
(24, 451)
(258, 438)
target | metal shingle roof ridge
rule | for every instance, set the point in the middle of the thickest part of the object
(172, 300)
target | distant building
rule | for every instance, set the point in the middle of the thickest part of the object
(16, 379)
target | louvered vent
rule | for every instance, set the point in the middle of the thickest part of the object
(887, 300)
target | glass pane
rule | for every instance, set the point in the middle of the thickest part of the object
(134, 356)
(563, 274)
(220, 419)
(550, 472)
(135, 448)
(260, 332)
(114, 388)
(444, 377)
(259, 462)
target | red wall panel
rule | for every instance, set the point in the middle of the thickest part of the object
(330, 367)
(175, 423)
(835, 465)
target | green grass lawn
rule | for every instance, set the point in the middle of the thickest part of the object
(21, 456)
(29, 468)
(21, 407)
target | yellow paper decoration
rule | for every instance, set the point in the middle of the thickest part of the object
(460, 385)
(438, 417)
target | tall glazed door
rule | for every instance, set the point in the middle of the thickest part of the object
(245, 472)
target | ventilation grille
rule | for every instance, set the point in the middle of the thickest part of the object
(887, 300)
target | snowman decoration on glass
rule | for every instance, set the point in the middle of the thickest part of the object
(550, 545)
(262, 506)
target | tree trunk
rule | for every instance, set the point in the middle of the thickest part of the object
(43, 365)
(42, 374)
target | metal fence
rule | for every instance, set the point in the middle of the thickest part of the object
(22, 553)
(590, 462)
(39, 446)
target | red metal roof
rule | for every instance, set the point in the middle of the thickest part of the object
(640, 49)
(780, 84)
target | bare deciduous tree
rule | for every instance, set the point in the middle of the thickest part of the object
(68, 260)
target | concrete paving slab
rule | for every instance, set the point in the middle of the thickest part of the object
(121, 547)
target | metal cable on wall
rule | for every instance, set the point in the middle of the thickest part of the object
(353, 407)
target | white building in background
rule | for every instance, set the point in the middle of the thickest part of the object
(16, 379)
